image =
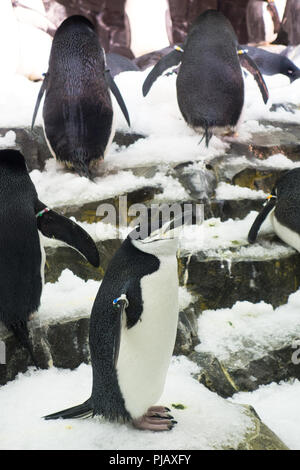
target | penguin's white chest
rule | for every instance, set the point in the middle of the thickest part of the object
(146, 348)
(287, 235)
(270, 35)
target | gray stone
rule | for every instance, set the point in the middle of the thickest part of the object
(260, 437)
(220, 283)
(226, 378)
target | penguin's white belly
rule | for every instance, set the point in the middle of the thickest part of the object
(287, 235)
(270, 35)
(146, 348)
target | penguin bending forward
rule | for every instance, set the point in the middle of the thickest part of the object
(22, 218)
(284, 206)
(271, 64)
(132, 333)
(77, 111)
(210, 84)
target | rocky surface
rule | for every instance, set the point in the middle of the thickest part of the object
(260, 437)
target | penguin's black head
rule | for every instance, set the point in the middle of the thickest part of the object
(13, 160)
(288, 68)
(158, 228)
(293, 74)
(75, 21)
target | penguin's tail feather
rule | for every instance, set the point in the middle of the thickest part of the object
(82, 169)
(83, 411)
(20, 330)
(207, 135)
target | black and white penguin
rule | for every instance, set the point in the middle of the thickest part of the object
(22, 258)
(210, 84)
(132, 331)
(284, 209)
(271, 64)
(264, 19)
(78, 111)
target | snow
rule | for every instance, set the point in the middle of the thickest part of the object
(206, 422)
(9, 140)
(69, 297)
(280, 161)
(68, 186)
(185, 298)
(228, 191)
(279, 408)
(249, 330)
(228, 240)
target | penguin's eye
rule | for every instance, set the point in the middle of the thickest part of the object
(290, 72)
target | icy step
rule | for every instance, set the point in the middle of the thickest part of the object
(248, 345)
(273, 138)
(220, 274)
(35, 150)
(268, 271)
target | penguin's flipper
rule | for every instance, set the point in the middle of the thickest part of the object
(82, 411)
(54, 225)
(260, 218)
(120, 304)
(40, 96)
(170, 60)
(116, 92)
(251, 66)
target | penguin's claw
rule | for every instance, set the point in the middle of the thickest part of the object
(156, 414)
(157, 409)
(151, 422)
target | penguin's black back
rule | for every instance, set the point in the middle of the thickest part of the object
(20, 256)
(123, 275)
(287, 209)
(210, 87)
(77, 109)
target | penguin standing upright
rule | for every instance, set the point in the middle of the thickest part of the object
(77, 111)
(132, 331)
(22, 218)
(264, 20)
(210, 84)
(284, 208)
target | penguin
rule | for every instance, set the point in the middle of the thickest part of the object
(264, 19)
(210, 84)
(284, 208)
(77, 111)
(271, 64)
(118, 64)
(23, 218)
(133, 329)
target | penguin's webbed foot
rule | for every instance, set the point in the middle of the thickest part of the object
(229, 136)
(156, 419)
